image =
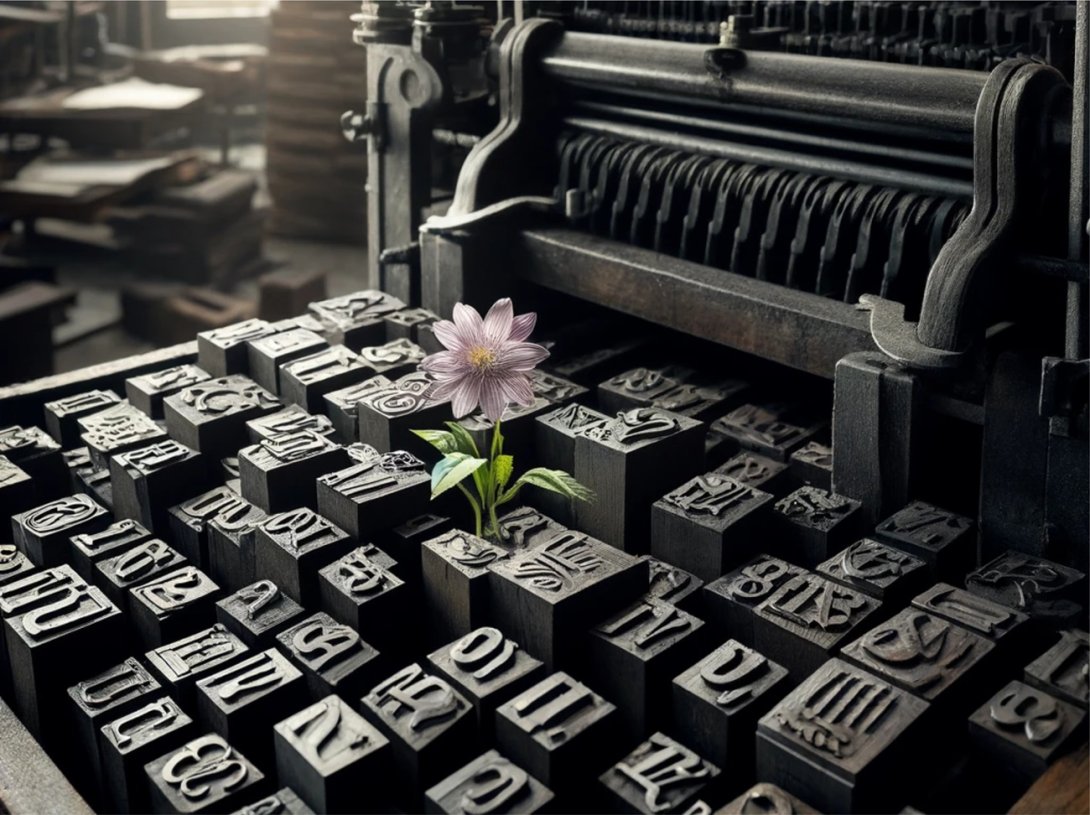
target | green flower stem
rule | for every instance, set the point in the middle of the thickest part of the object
(476, 508)
(493, 491)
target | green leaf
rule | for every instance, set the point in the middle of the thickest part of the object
(552, 480)
(497, 441)
(463, 441)
(502, 468)
(452, 470)
(483, 479)
(441, 440)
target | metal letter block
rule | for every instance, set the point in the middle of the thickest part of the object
(808, 619)
(178, 664)
(117, 430)
(333, 757)
(91, 547)
(404, 324)
(35, 453)
(290, 548)
(224, 351)
(133, 739)
(231, 547)
(35, 589)
(943, 540)
(673, 585)
(717, 702)
(278, 474)
(1038, 588)
(658, 776)
(146, 393)
(149, 480)
(812, 465)
(767, 798)
(241, 701)
(454, 569)
(518, 428)
(374, 494)
(356, 320)
(291, 419)
(360, 592)
(304, 381)
(281, 802)
(13, 564)
(839, 740)
(546, 595)
(204, 775)
(1063, 669)
(488, 669)
(211, 417)
(189, 521)
(1021, 730)
(430, 727)
(145, 561)
(767, 429)
(877, 569)
(630, 462)
(332, 657)
(633, 655)
(394, 359)
(405, 543)
(340, 406)
(815, 524)
(729, 601)
(388, 416)
(709, 524)
(755, 470)
(257, 613)
(998, 623)
(554, 444)
(527, 528)
(559, 730)
(61, 414)
(266, 354)
(556, 389)
(17, 488)
(42, 533)
(489, 785)
(169, 605)
(636, 388)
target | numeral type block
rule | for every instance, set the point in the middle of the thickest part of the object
(290, 548)
(61, 415)
(672, 585)
(304, 381)
(92, 547)
(729, 602)
(658, 776)
(771, 430)
(946, 542)
(336, 760)
(1039, 588)
(374, 493)
(429, 724)
(117, 430)
(169, 605)
(546, 595)
(150, 479)
(146, 393)
(278, 474)
(998, 623)
(206, 774)
(143, 562)
(766, 798)
(454, 568)
(211, 417)
(489, 784)
(257, 613)
(225, 351)
(362, 593)
(717, 702)
(178, 664)
(1063, 669)
(332, 657)
(189, 521)
(755, 470)
(387, 416)
(340, 406)
(42, 533)
(560, 731)
(815, 524)
(838, 739)
(629, 462)
(266, 354)
(808, 619)
(130, 741)
(708, 525)
(881, 571)
(488, 669)
(291, 419)
(358, 319)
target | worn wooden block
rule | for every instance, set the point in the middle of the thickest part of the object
(189, 521)
(340, 406)
(374, 493)
(388, 416)
(147, 392)
(257, 613)
(172, 604)
(61, 414)
(178, 664)
(224, 351)
(813, 524)
(673, 585)
(117, 430)
(943, 540)
(144, 561)
(42, 533)
(267, 354)
(729, 602)
(336, 759)
(658, 776)
(709, 524)
(278, 474)
(290, 548)
(1062, 670)
(771, 429)
(629, 462)
(489, 783)
(807, 619)
(332, 657)
(291, 419)
(148, 480)
(1044, 591)
(633, 655)
(839, 740)
(362, 593)
(876, 569)
(211, 417)
(456, 585)
(356, 320)
(999, 623)
(89, 548)
(206, 774)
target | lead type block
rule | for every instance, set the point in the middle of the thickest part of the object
(42, 533)
(281, 802)
(547, 594)
(556, 389)
(224, 351)
(1040, 589)
(211, 417)
(839, 740)
(527, 528)
(559, 730)
(204, 775)
(178, 664)
(755, 470)
(404, 324)
(169, 605)
(36, 454)
(147, 560)
(406, 541)
(636, 388)
(363, 594)
(340, 406)
(815, 524)
(266, 354)
(150, 479)
(146, 393)
(357, 319)
(393, 359)
(257, 613)
(708, 525)
(278, 474)
(304, 381)
(16, 488)
(872, 567)
(387, 417)
(430, 726)
(488, 669)
(658, 776)
(61, 414)
(231, 547)
(332, 657)
(717, 702)
(454, 569)
(35, 589)
(117, 430)
(189, 521)
(944, 540)
(672, 585)
(768, 429)
(1064, 669)
(998, 623)
(518, 427)
(489, 783)
(629, 462)
(812, 465)
(334, 758)
(375, 494)
(554, 443)
(729, 602)
(290, 548)
(13, 564)
(766, 798)
(92, 547)
(291, 419)
(808, 619)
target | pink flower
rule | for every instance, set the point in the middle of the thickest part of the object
(487, 362)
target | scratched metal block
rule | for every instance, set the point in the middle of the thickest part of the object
(1063, 669)
(89, 548)
(177, 665)
(372, 494)
(290, 548)
(189, 521)
(17, 488)
(1001, 624)
(211, 417)
(774, 430)
(340, 406)
(266, 354)
(204, 775)
(877, 569)
(729, 602)
(358, 319)
(944, 540)
(34, 452)
(456, 585)
(492, 784)
(291, 419)
(755, 470)
(257, 613)
(150, 479)
(359, 591)
(812, 465)
(388, 416)
(13, 564)
(635, 388)
(61, 415)
(172, 604)
(118, 574)
(393, 359)
(673, 585)
(332, 657)
(42, 533)
(406, 323)
(1044, 591)
(527, 528)
(116, 430)
(147, 392)
(224, 351)
(278, 474)
(231, 546)
(812, 524)
(660, 775)
(306, 380)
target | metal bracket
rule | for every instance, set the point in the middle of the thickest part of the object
(443, 225)
(897, 337)
(357, 127)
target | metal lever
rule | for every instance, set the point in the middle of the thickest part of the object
(897, 339)
(441, 225)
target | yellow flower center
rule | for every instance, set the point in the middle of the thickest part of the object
(480, 357)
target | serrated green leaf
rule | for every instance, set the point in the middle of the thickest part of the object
(553, 480)
(441, 440)
(502, 468)
(463, 440)
(452, 470)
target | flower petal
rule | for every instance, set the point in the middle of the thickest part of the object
(469, 323)
(519, 389)
(451, 336)
(466, 397)
(497, 323)
(442, 391)
(493, 398)
(522, 326)
(520, 356)
(444, 362)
